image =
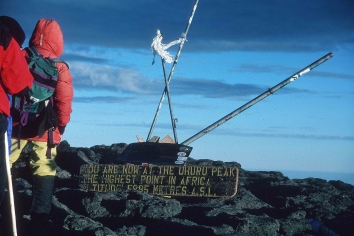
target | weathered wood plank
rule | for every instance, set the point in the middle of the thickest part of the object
(166, 180)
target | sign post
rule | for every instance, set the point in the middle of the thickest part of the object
(165, 180)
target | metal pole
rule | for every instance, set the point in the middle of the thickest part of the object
(11, 193)
(169, 101)
(184, 36)
(257, 99)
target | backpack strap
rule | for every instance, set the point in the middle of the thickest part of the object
(50, 143)
(24, 113)
(34, 52)
(58, 60)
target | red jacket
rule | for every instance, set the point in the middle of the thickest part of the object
(47, 38)
(14, 72)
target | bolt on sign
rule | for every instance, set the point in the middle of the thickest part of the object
(166, 180)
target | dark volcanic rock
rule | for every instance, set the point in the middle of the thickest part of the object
(267, 203)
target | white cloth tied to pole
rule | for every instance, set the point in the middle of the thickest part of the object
(159, 48)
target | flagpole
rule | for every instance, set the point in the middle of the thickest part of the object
(257, 99)
(184, 37)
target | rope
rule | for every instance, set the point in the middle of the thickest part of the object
(159, 48)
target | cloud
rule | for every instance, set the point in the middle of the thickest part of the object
(256, 68)
(109, 78)
(219, 89)
(279, 69)
(76, 57)
(237, 133)
(270, 133)
(130, 81)
(229, 25)
(287, 135)
(103, 99)
(332, 75)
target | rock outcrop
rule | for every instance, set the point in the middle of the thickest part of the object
(266, 203)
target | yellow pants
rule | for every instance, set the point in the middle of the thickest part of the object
(39, 163)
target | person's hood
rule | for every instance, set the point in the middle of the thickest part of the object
(47, 35)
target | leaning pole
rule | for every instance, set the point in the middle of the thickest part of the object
(184, 37)
(257, 99)
(11, 193)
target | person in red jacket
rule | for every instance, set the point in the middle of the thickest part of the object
(15, 78)
(47, 38)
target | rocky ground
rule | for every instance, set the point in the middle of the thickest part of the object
(266, 203)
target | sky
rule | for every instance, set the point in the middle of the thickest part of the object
(235, 51)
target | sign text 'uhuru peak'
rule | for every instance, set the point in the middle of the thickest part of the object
(201, 181)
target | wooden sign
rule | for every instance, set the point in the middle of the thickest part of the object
(166, 180)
